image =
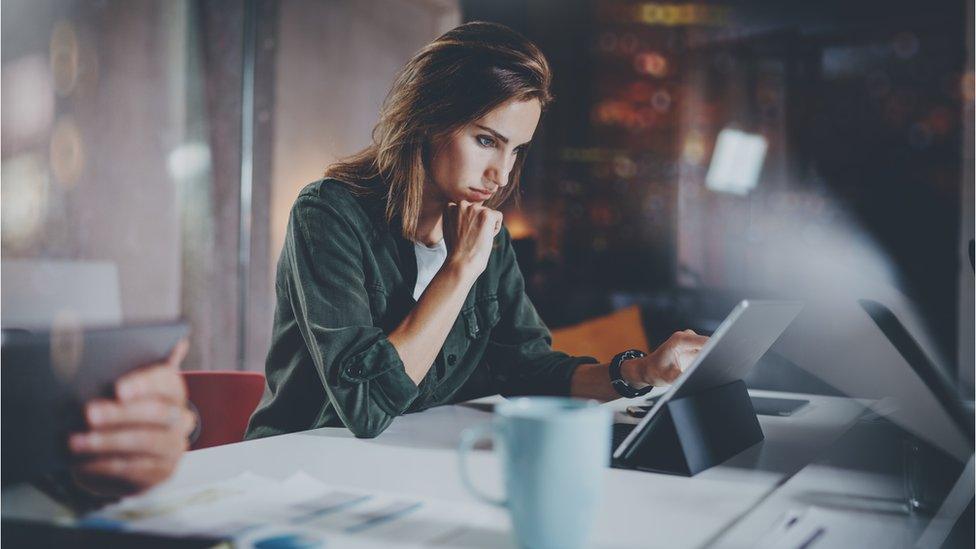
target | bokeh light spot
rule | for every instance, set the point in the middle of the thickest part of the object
(24, 204)
(64, 58)
(28, 102)
(67, 151)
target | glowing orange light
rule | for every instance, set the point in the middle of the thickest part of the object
(651, 63)
(518, 225)
(967, 85)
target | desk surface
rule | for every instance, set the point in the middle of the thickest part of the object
(416, 455)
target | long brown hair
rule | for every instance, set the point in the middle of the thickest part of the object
(451, 82)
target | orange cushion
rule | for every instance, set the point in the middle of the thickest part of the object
(604, 336)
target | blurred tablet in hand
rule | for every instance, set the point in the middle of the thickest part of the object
(47, 376)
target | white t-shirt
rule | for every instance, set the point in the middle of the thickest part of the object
(429, 261)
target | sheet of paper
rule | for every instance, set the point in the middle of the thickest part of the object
(303, 512)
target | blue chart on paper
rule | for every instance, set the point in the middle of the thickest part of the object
(288, 541)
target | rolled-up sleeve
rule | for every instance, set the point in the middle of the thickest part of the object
(520, 355)
(359, 368)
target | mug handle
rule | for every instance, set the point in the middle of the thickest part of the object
(469, 438)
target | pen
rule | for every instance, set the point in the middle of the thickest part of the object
(813, 537)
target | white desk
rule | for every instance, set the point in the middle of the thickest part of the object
(416, 455)
(731, 505)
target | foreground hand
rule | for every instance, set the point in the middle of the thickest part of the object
(135, 440)
(666, 363)
(469, 232)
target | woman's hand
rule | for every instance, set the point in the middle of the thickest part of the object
(469, 231)
(666, 363)
(135, 440)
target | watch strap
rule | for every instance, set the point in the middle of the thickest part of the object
(623, 388)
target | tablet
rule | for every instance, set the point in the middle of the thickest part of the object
(735, 347)
(48, 375)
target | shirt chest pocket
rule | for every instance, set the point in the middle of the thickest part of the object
(480, 317)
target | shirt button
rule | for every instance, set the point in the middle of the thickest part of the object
(451, 359)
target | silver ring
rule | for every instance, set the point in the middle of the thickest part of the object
(197, 422)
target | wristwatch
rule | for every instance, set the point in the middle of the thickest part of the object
(623, 388)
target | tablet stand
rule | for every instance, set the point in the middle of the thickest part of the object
(692, 433)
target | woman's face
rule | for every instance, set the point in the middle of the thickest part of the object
(474, 163)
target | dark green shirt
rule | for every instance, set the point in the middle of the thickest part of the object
(345, 280)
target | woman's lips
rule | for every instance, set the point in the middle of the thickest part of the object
(481, 194)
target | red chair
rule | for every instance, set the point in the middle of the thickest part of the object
(225, 401)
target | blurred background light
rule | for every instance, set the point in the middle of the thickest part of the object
(67, 151)
(736, 162)
(624, 167)
(694, 150)
(651, 63)
(661, 101)
(666, 14)
(64, 56)
(24, 204)
(518, 224)
(188, 160)
(28, 101)
(967, 86)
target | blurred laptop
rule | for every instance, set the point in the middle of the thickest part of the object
(36, 292)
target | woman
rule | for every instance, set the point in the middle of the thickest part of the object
(398, 288)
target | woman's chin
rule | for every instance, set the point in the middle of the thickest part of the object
(469, 197)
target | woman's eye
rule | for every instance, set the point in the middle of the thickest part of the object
(485, 141)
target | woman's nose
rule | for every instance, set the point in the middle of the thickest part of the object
(498, 172)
